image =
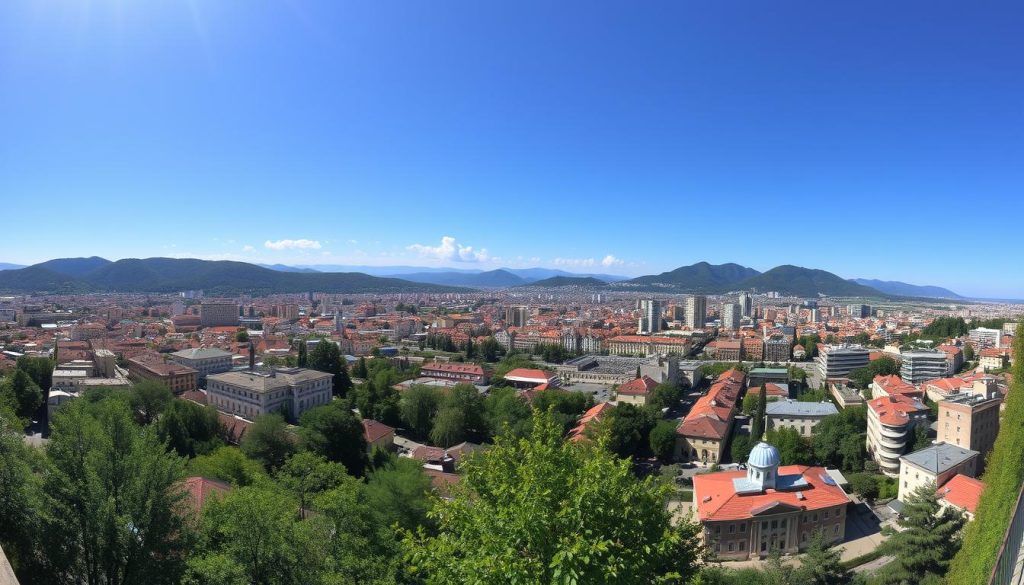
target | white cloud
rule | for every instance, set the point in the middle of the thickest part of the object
(292, 245)
(450, 251)
(573, 262)
(609, 261)
(247, 248)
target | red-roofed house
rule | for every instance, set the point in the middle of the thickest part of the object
(768, 507)
(961, 492)
(591, 417)
(201, 490)
(705, 430)
(636, 391)
(378, 434)
(459, 372)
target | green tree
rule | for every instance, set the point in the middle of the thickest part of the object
(527, 511)
(303, 359)
(189, 429)
(740, 449)
(566, 406)
(470, 350)
(820, 565)
(149, 399)
(793, 448)
(663, 440)
(968, 353)
(504, 408)
(20, 508)
(112, 496)
(400, 493)
(418, 406)
(922, 438)
(326, 357)
(665, 395)
(927, 541)
(757, 424)
(227, 464)
(306, 474)
(336, 433)
(360, 370)
(749, 405)
(490, 349)
(630, 429)
(268, 441)
(40, 369)
(449, 427)
(363, 548)
(839, 439)
(253, 536)
(24, 394)
(242, 336)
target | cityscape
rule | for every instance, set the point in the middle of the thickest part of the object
(332, 293)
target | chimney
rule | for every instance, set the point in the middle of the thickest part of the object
(252, 356)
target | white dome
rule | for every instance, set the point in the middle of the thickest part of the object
(763, 455)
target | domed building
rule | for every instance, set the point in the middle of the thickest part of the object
(768, 507)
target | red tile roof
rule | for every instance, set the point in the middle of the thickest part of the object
(719, 500)
(638, 387)
(962, 491)
(200, 489)
(895, 410)
(375, 431)
(578, 433)
(711, 415)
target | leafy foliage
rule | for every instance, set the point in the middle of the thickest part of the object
(543, 510)
(336, 433)
(326, 357)
(839, 439)
(189, 429)
(268, 441)
(929, 538)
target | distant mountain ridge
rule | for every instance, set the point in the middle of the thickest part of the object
(699, 277)
(706, 278)
(165, 275)
(500, 278)
(560, 281)
(895, 287)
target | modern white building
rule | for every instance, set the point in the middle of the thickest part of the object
(650, 316)
(921, 365)
(731, 316)
(891, 423)
(985, 338)
(696, 311)
(837, 361)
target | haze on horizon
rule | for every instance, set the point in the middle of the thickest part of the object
(869, 140)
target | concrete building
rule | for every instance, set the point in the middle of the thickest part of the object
(936, 464)
(985, 338)
(767, 507)
(731, 316)
(777, 349)
(858, 311)
(647, 345)
(218, 313)
(703, 434)
(802, 416)
(921, 365)
(730, 350)
(251, 393)
(969, 420)
(650, 316)
(204, 360)
(758, 376)
(837, 361)
(517, 316)
(152, 366)
(696, 311)
(890, 429)
(746, 302)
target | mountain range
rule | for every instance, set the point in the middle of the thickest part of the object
(95, 274)
(164, 275)
(903, 289)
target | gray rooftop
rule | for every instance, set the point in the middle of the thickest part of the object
(794, 408)
(939, 458)
(263, 381)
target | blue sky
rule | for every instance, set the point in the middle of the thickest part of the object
(871, 139)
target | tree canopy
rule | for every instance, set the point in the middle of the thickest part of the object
(540, 509)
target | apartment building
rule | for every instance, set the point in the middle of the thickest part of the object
(153, 366)
(696, 311)
(921, 365)
(890, 429)
(984, 338)
(970, 420)
(218, 313)
(731, 316)
(837, 361)
(777, 349)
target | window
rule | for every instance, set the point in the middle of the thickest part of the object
(764, 525)
(824, 515)
(732, 546)
(718, 529)
(743, 545)
(732, 528)
(775, 524)
(835, 530)
(783, 523)
(815, 517)
(743, 527)
(803, 537)
(764, 546)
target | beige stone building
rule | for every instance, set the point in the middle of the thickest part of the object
(802, 416)
(935, 464)
(969, 420)
(250, 393)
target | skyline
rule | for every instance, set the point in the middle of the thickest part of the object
(870, 141)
